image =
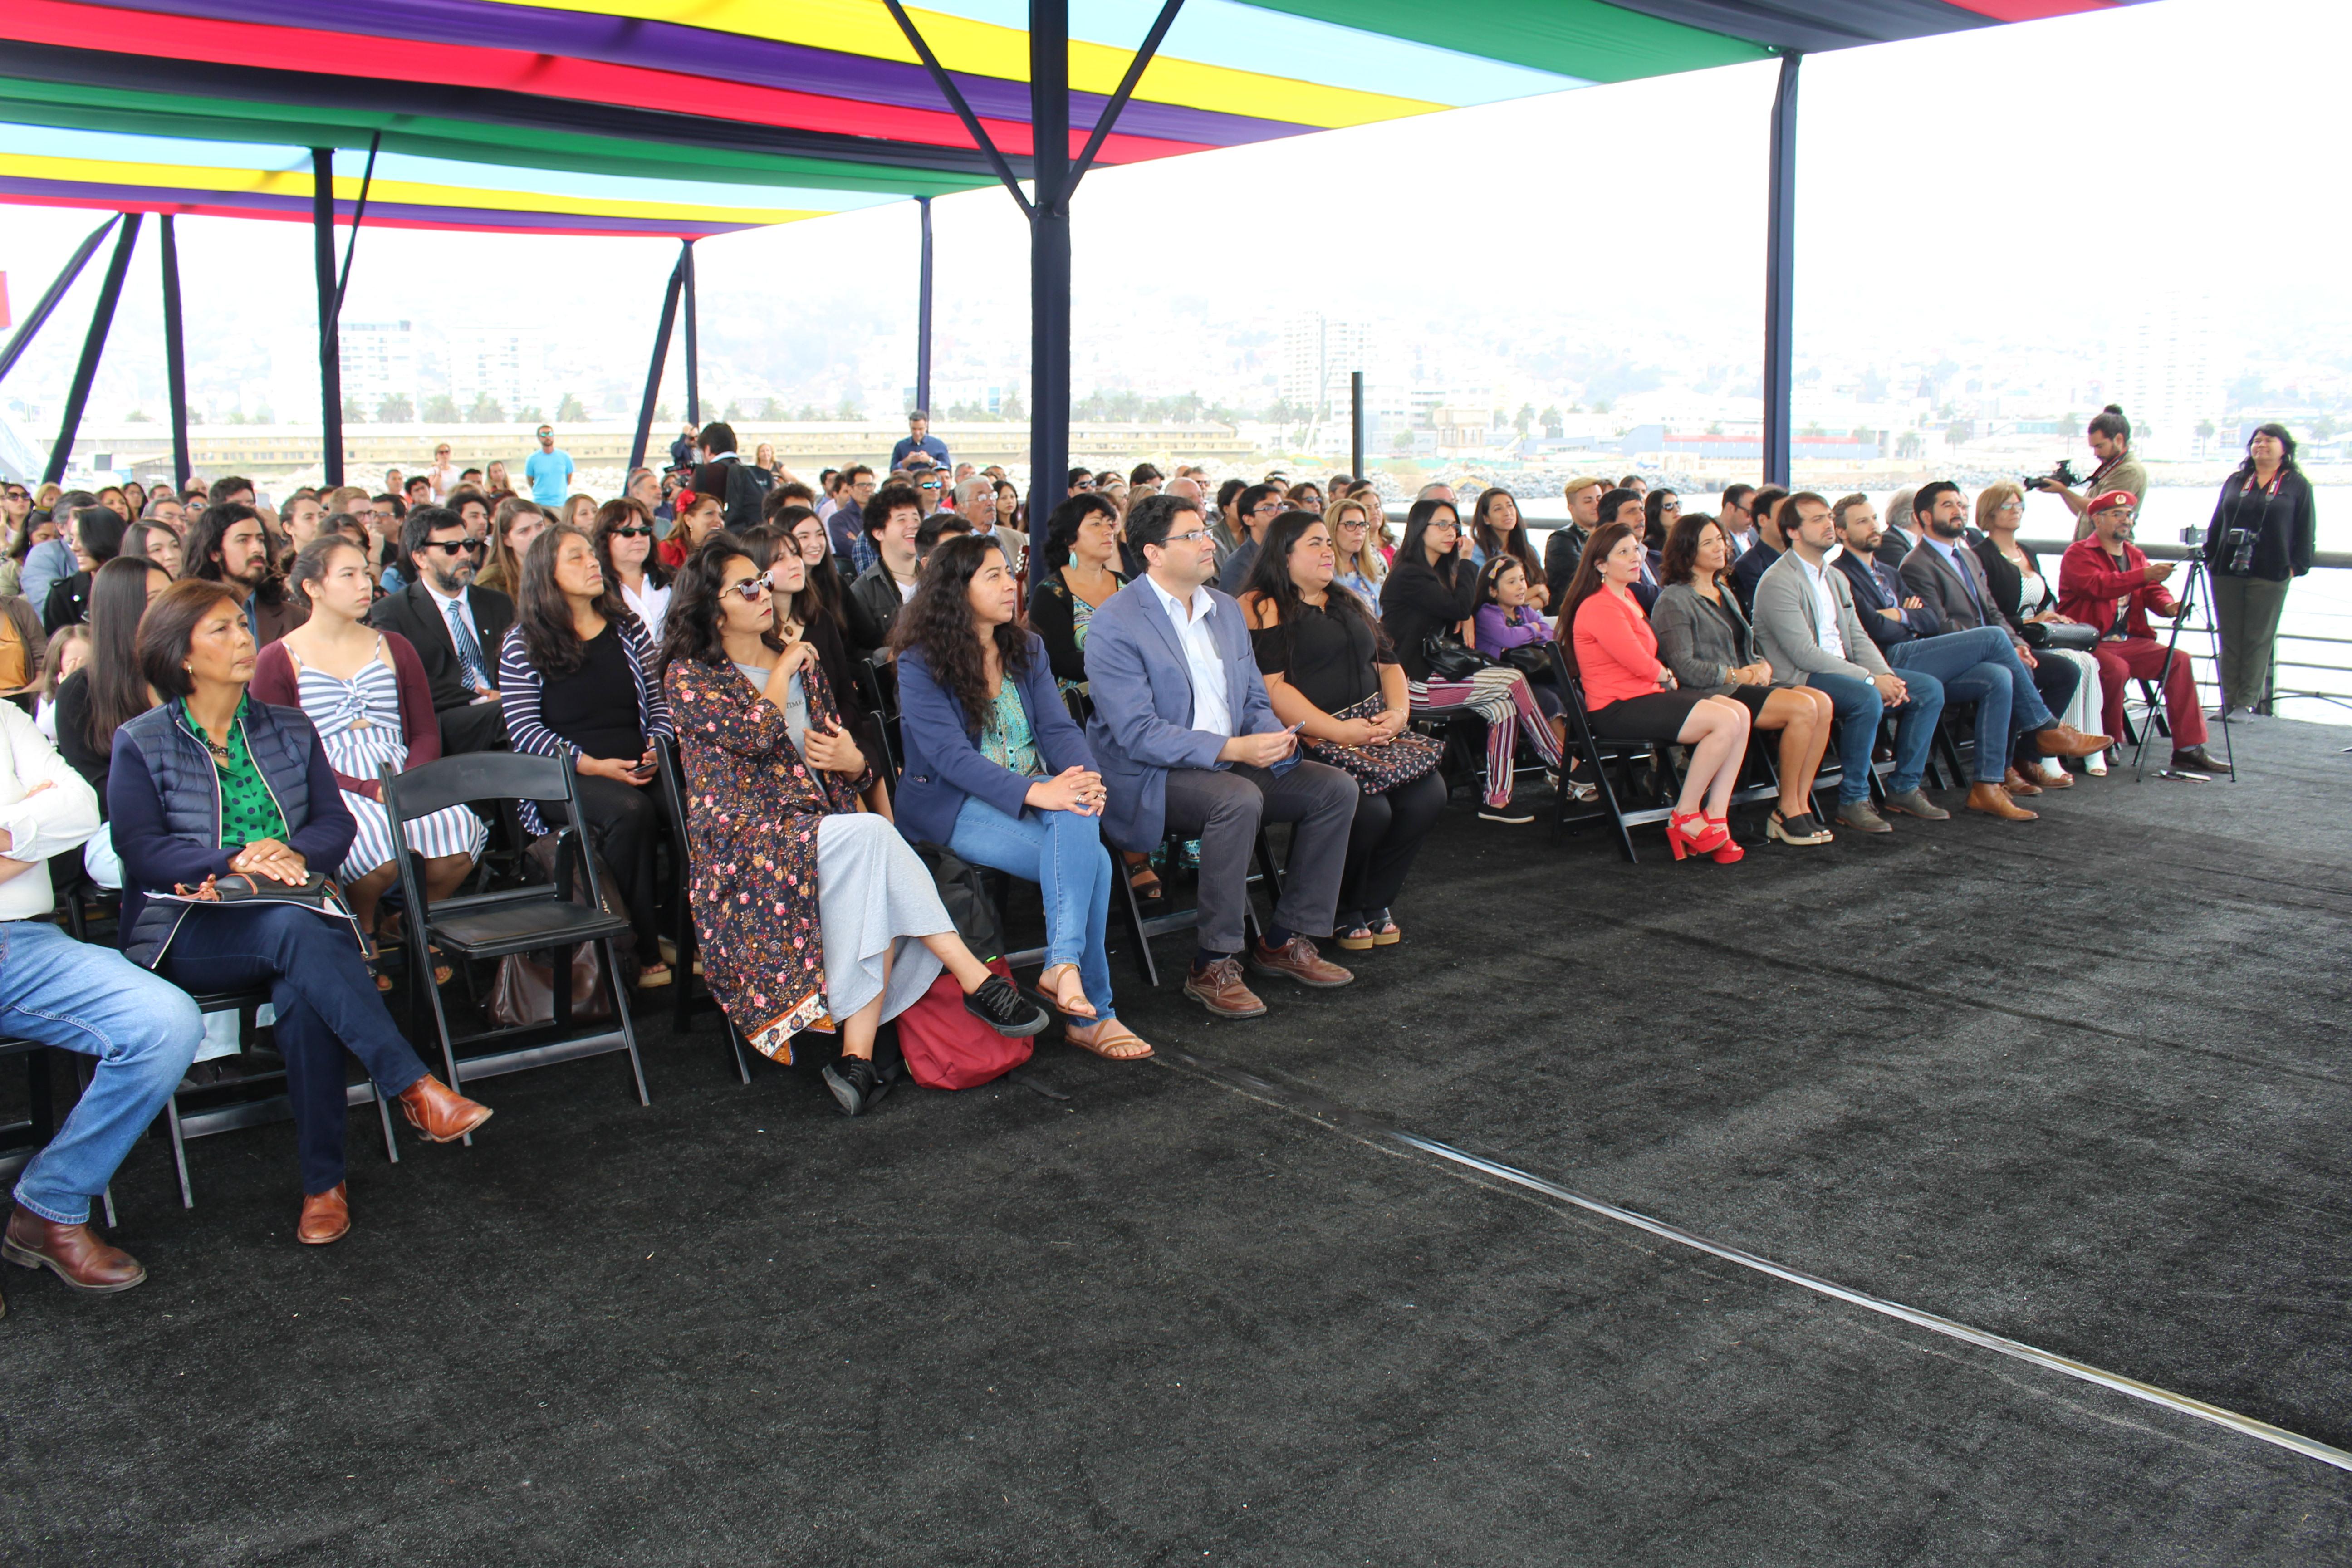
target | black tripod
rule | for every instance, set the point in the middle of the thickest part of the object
(2196, 573)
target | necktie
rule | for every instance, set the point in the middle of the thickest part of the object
(469, 648)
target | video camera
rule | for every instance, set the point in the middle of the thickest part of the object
(2063, 475)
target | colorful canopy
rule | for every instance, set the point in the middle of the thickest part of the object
(718, 114)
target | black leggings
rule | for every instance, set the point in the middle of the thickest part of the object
(1383, 841)
(623, 821)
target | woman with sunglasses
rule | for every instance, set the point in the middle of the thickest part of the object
(807, 910)
(624, 533)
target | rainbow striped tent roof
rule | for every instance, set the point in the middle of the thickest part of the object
(696, 117)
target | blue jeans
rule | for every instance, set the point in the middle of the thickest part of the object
(1858, 708)
(143, 1031)
(1063, 853)
(327, 1002)
(1979, 666)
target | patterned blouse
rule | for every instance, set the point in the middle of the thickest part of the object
(248, 811)
(1004, 736)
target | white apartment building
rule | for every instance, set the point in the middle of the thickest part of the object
(508, 364)
(379, 361)
(2167, 373)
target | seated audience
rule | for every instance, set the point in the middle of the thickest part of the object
(1187, 741)
(96, 539)
(1898, 539)
(892, 517)
(1734, 510)
(1627, 505)
(1565, 548)
(229, 545)
(109, 689)
(826, 587)
(1807, 629)
(2106, 582)
(1630, 696)
(1081, 573)
(997, 771)
(1355, 543)
(453, 623)
(1254, 507)
(513, 527)
(2028, 598)
(1328, 670)
(67, 652)
(1705, 640)
(50, 555)
(156, 540)
(939, 525)
(365, 693)
(575, 678)
(624, 533)
(1506, 618)
(142, 1032)
(1496, 528)
(800, 618)
(215, 782)
(1758, 558)
(1431, 591)
(809, 913)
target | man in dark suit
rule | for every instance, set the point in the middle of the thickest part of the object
(1771, 544)
(1889, 610)
(455, 627)
(1896, 538)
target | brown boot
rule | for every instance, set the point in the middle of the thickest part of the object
(326, 1216)
(1993, 801)
(2065, 741)
(71, 1252)
(443, 1115)
(2018, 784)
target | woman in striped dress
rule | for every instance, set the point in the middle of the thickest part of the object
(366, 693)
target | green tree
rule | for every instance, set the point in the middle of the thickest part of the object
(570, 411)
(1011, 409)
(2070, 425)
(485, 411)
(1960, 432)
(352, 412)
(847, 409)
(137, 416)
(734, 413)
(396, 410)
(440, 409)
(528, 415)
(770, 410)
(663, 413)
(1600, 406)
(1524, 420)
(1551, 421)
(2324, 428)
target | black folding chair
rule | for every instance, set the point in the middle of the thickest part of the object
(1611, 796)
(532, 918)
(878, 688)
(673, 783)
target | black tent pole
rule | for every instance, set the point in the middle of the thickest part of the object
(654, 371)
(37, 318)
(1780, 277)
(331, 356)
(175, 358)
(1049, 265)
(693, 352)
(1356, 424)
(92, 347)
(923, 315)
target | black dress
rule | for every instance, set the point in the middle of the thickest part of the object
(596, 706)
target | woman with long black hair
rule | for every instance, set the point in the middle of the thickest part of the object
(1496, 529)
(1432, 589)
(825, 586)
(109, 691)
(997, 771)
(2265, 527)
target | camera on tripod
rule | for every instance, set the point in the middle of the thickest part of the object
(2063, 476)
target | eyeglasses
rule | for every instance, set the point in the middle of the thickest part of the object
(750, 590)
(453, 546)
(1190, 536)
(2011, 506)
(635, 531)
(929, 485)
(1083, 485)
(1263, 506)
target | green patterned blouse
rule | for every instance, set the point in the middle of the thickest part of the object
(1004, 737)
(248, 811)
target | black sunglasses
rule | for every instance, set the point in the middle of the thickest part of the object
(453, 546)
(635, 531)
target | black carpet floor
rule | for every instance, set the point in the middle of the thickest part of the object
(2081, 1082)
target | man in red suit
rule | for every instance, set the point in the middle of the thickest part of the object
(2106, 581)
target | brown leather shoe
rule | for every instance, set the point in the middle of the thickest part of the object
(1298, 960)
(71, 1252)
(1993, 801)
(2017, 783)
(2062, 778)
(2065, 741)
(1219, 988)
(443, 1115)
(326, 1216)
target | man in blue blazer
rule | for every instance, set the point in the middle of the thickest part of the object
(1188, 742)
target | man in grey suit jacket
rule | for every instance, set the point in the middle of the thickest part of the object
(1188, 742)
(1806, 629)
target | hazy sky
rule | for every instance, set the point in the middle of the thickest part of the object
(2023, 182)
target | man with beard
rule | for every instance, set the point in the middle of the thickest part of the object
(231, 545)
(454, 626)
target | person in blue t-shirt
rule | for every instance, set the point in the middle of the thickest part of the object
(549, 471)
(920, 439)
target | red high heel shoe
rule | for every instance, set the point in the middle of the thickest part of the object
(1711, 835)
(1728, 853)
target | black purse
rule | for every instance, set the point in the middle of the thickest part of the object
(2063, 635)
(1450, 658)
(1531, 659)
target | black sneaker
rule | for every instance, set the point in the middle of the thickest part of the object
(1510, 811)
(855, 1084)
(999, 1004)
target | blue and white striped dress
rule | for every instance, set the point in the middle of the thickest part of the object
(358, 722)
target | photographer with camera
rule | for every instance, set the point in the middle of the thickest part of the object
(2106, 583)
(2263, 530)
(2110, 441)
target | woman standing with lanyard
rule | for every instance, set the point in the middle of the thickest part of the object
(2264, 529)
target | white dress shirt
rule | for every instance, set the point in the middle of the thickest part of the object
(651, 606)
(1826, 630)
(57, 819)
(1211, 710)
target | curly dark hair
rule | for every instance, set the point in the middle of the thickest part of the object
(691, 628)
(1680, 563)
(548, 638)
(1062, 525)
(938, 621)
(1270, 581)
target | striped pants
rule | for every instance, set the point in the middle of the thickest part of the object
(1499, 695)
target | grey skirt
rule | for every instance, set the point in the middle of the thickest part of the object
(874, 897)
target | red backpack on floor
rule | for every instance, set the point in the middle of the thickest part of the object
(947, 1047)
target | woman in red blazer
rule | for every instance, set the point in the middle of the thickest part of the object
(1630, 696)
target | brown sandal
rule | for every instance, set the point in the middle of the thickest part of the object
(1093, 1039)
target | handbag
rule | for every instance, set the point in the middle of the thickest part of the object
(1450, 658)
(945, 1047)
(1377, 769)
(1531, 659)
(2062, 636)
(524, 992)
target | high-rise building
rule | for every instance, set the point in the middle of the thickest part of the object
(379, 360)
(507, 364)
(2166, 373)
(1317, 355)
